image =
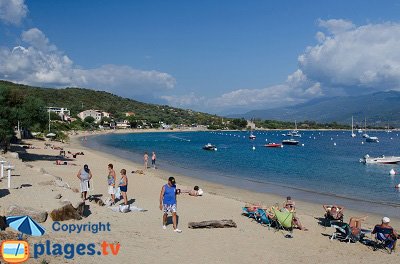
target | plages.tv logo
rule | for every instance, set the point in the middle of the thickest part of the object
(14, 251)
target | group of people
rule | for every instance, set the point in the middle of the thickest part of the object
(85, 175)
(146, 160)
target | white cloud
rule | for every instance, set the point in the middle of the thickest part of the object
(347, 59)
(41, 63)
(13, 11)
(355, 59)
(185, 100)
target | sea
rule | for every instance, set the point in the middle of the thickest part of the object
(324, 168)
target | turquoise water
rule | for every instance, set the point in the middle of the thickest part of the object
(319, 171)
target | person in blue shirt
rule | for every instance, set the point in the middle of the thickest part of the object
(168, 203)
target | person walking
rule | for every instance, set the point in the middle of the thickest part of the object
(153, 160)
(111, 179)
(84, 175)
(168, 203)
(146, 160)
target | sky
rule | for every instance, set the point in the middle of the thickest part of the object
(213, 56)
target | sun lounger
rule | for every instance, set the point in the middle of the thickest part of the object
(343, 233)
(284, 220)
(384, 239)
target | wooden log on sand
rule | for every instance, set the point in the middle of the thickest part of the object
(213, 224)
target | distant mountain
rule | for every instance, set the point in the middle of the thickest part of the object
(379, 108)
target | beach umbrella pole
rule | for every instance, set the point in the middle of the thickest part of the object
(8, 168)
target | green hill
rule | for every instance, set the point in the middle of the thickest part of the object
(79, 99)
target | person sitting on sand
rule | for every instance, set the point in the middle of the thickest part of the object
(123, 186)
(84, 176)
(195, 192)
(355, 225)
(290, 206)
(391, 239)
(334, 212)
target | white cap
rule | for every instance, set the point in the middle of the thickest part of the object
(386, 220)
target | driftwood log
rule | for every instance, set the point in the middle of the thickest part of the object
(212, 224)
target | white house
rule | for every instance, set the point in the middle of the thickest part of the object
(124, 124)
(64, 113)
(96, 114)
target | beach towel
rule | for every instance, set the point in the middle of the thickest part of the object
(117, 193)
(126, 208)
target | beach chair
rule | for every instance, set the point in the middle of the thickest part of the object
(262, 218)
(329, 219)
(249, 214)
(343, 233)
(384, 239)
(283, 220)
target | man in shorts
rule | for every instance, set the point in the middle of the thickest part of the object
(168, 203)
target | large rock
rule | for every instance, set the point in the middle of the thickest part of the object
(67, 212)
(37, 215)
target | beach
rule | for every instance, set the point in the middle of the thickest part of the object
(140, 234)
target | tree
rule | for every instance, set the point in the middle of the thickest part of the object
(89, 119)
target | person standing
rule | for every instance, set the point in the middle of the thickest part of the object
(123, 186)
(153, 160)
(111, 179)
(168, 203)
(84, 175)
(146, 160)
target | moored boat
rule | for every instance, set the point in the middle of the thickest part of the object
(273, 145)
(372, 139)
(252, 136)
(209, 146)
(380, 160)
(290, 142)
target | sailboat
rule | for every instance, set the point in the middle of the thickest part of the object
(295, 132)
(367, 137)
(352, 127)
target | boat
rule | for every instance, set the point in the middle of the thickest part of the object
(372, 139)
(209, 146)
(293, 133)
(352, 128)
(380, 160)
(273, 145)
(290, 142)
(360, 131)
(252, 136)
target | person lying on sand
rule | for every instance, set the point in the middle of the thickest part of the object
(60, 162)
(195, 192)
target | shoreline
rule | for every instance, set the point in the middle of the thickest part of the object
(261, 187)
(140, 234)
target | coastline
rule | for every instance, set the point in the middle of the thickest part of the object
(144, 241)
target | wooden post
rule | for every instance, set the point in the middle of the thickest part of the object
(212, 224)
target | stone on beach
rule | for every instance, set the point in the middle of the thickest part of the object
(37, 215)
(213, 224)
(67, 212)
(58, 196)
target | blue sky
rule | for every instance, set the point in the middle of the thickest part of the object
(214, 56)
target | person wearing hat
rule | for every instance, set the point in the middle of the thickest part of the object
(391, 238)
(168, 203)
(84, 175)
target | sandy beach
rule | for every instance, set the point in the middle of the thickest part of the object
(140, 234)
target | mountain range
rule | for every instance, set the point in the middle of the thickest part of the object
(378, 109)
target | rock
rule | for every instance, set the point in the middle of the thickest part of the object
(213, 224)
(58, 196)
(67, 212)
(37, 215)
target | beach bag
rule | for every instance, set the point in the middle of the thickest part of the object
(108, 201)
(117, 193)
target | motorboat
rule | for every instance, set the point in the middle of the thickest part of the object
(295, 132)
(209, 146)
(252, 136)
(380, 160)
(290, 142)
(273, 145)
(372, 139)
